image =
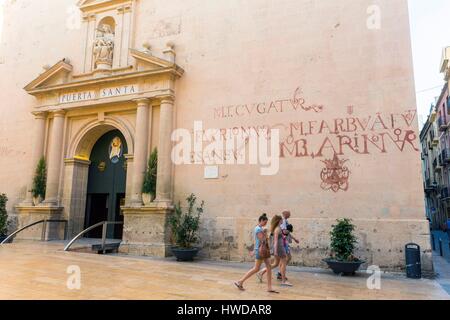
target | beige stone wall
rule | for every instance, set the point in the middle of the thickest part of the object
(238, 53)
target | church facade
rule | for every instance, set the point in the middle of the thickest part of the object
(309, 106)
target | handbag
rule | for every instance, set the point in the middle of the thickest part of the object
(264, 250)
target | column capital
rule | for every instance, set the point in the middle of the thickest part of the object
(60, 113)
(89, 17)
(167, 99)
(142, 102)
(124, 9)
(39, 114)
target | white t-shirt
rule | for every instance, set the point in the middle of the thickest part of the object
(283, 227)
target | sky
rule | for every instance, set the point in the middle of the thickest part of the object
(429, 35)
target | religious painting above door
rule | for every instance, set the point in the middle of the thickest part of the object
(115, 150)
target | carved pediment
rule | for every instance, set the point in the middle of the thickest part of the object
(146, 61)
(57, 74)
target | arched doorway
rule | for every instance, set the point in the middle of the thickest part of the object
(106, 184)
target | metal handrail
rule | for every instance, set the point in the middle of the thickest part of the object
(105, 226)
(44, 229)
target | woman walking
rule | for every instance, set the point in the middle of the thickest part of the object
(279, 252)
(262, 254)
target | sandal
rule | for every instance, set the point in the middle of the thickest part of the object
(239, 286)
(272, 291)
(259, 276)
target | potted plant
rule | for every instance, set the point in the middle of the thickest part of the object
(185, 226)
(343, 240)
(149, 186)
(39, 182)
(3, 217)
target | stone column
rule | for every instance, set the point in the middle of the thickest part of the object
(140, 150)
(55, 158)
(40, 119)
(164, 176)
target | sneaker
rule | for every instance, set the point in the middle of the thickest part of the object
(279, 277)
(286, 284)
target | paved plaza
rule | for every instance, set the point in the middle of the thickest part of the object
(36, 270)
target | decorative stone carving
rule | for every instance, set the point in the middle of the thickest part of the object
(104, 47)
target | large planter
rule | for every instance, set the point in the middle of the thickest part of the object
(147, 198)
(344, 268)
(183, 254)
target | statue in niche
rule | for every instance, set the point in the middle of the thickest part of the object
(104, 47)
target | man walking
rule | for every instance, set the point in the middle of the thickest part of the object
(287, 231)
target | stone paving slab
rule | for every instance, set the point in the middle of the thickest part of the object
(35, 270)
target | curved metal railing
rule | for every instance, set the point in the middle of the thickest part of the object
(44, 229)
(105, 225)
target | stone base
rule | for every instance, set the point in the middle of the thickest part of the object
(381, 242)
(146, 231)
(29, 214)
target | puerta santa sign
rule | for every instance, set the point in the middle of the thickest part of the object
(109, 92)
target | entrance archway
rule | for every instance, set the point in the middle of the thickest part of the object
(106, 184)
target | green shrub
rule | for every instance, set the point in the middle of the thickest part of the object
(343, 240)
(40, 179)
(3, 215)
(185, 226)
(149, 185)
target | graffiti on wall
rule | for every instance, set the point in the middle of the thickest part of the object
(280, 105)
(331, 141)
(335, 174)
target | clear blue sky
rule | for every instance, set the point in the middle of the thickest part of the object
(430, 32)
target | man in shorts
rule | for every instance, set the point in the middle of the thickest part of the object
(288, 237)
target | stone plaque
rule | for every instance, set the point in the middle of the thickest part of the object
(211, 172)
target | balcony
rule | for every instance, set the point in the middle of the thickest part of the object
(430, 186)
(437, 164)
(434, 139)
(442, 125)
(434, 142)
(445, 156)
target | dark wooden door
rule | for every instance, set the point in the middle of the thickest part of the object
(107, 183)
